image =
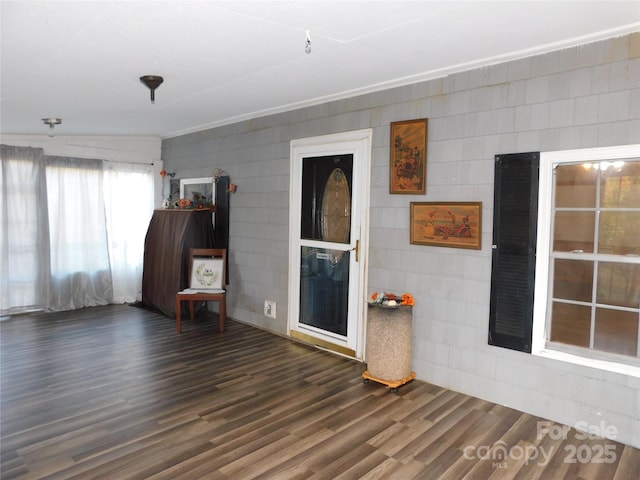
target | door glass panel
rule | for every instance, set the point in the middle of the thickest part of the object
(324, 282)
(326, 198)
(335, 210)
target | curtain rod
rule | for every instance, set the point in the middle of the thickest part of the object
(129, 163)
(103, 160)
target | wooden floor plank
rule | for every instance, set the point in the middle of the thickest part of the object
(629, 464)
(115, 393)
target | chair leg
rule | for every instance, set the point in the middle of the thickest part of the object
(191, 310)
(223, 313)
(178, 308)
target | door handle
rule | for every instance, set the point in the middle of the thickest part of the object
(357, 250)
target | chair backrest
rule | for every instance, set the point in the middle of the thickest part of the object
(209, 253)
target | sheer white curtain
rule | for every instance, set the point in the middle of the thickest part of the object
(128, 193)
(72, 230)
(24, 230)
(80, 269)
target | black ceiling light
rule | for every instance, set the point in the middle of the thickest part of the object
(152, 82)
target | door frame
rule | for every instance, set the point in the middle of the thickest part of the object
(358, 143)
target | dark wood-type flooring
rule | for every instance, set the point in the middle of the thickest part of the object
(114, 393)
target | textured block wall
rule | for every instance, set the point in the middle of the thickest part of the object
(582, 97)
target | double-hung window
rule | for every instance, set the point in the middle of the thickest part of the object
(587, 282)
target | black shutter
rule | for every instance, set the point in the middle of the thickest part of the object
(221, 232)
(514, 250)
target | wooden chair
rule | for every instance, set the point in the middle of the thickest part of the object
(201, 277)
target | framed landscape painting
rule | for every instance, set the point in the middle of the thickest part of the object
(447, 224)
(408, 163)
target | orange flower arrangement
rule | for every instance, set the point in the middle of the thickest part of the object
(184, 203)
(197, 202)
(407, 299)
(392, 300)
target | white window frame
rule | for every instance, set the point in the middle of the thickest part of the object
(539, 344)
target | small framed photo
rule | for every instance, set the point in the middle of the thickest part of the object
(206, 273)
(200, 191)
(447, 224)
(408, 163)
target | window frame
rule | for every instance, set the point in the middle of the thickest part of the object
(540, 329)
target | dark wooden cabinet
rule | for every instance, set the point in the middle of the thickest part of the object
(171, 234)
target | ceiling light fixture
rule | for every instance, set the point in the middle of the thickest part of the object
(152, 82)
(307, 43)
(52, 122)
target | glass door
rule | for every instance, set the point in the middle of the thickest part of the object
(327, 269)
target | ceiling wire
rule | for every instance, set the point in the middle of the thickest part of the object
(307, 42)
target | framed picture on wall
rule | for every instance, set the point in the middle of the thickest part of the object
(447, 224)
(408, 163)
(201, 191)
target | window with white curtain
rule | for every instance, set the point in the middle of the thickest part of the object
(72, 230)
(24, 240)
(128, 194)
(80, 270)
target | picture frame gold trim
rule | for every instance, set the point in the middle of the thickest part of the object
(446, 224)
(408, 157)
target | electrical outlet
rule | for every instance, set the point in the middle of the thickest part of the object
(270, 308)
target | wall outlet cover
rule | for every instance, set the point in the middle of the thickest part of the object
(270, 308)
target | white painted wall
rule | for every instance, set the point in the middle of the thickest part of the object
(581, 97)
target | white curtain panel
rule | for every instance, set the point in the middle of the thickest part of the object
(72, 230)
(80, 269)
(128, 193)
(24, 230)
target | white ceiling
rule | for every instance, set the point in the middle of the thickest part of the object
(225, 61)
